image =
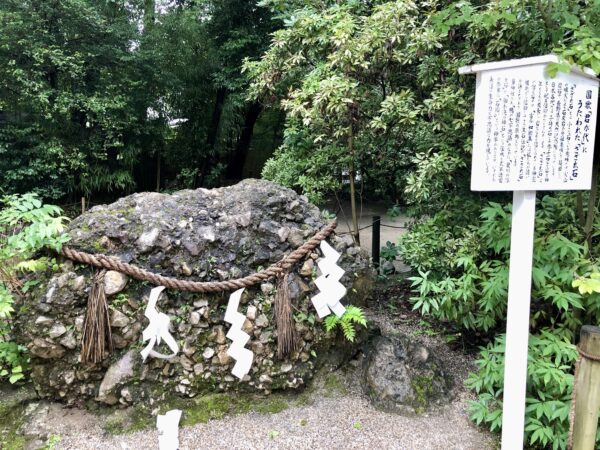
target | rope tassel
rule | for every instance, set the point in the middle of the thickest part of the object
(287, 338)
(96, 326)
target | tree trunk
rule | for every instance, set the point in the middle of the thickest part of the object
(213, 131)
(157, 170)
(352, 173)
(236, 163)
(211, 140)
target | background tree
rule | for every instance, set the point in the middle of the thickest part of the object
(67, 96)
(339, 72)
(394, 64)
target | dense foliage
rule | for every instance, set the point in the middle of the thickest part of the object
(374, 86)
(26, 228)
(99, 98)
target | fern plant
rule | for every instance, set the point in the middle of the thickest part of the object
(26, 227)
(352, 317)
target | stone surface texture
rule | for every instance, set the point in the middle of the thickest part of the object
(203, 235)
(401, 375)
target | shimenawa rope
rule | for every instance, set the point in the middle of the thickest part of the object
(277, 269)
(96, 328)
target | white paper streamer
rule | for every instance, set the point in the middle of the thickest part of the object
(331, 290)
(242, 356)
(157, 329)
(168, 430)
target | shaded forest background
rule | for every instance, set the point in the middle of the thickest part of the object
(100, 98)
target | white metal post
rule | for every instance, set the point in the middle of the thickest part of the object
(517, 320)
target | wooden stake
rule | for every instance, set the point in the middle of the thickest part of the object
(587, 382)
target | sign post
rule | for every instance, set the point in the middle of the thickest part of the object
(531, 132)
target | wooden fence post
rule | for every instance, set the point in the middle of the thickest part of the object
(587, 383)
(375, 241)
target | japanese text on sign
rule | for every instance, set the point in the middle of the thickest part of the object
(536, 133)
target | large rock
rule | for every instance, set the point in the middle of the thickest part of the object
(201, 235)
(116, 375)
(403, 376)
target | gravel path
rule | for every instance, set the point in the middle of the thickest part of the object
(345, 422)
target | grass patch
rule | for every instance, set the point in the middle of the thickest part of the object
(333, 384)
(195, 410)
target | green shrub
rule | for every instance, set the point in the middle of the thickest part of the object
(26, 228)
(549, 388)
(462, 277)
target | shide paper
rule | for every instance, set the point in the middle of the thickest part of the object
(168, 430)
(331, 290)
(242, 356)
(157, 329)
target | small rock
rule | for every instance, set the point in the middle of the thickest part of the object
(118, 319)
(353, 251)
(58, 329)
(251, 312)
(186, 363)
(198, 369)
(79, 323)
(208, 353)
(188, 348)
(69, 377)
(201, 303)
(265, 337)
(207, 233)
(296, 237)
(185, 269)
(105, 242)
(267, 288)
(220, 337)
(307, 268)
(283, 233)
(194, 318)
(78, 283)
(46, 349)
(69, 341)
(224, 358)
(44, 321)
(147, 240)
(114, 282)
(223, 274)
(257, 348)
(63, 280)
(262, 321)
(244, 219)
(247, 326)
(285, 368)
(126, 394)
(264, 378)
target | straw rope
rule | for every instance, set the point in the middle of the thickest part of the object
(275, 270)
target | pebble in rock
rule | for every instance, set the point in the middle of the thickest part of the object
(114, 282)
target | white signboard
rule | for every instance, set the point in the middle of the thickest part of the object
(533, 132)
